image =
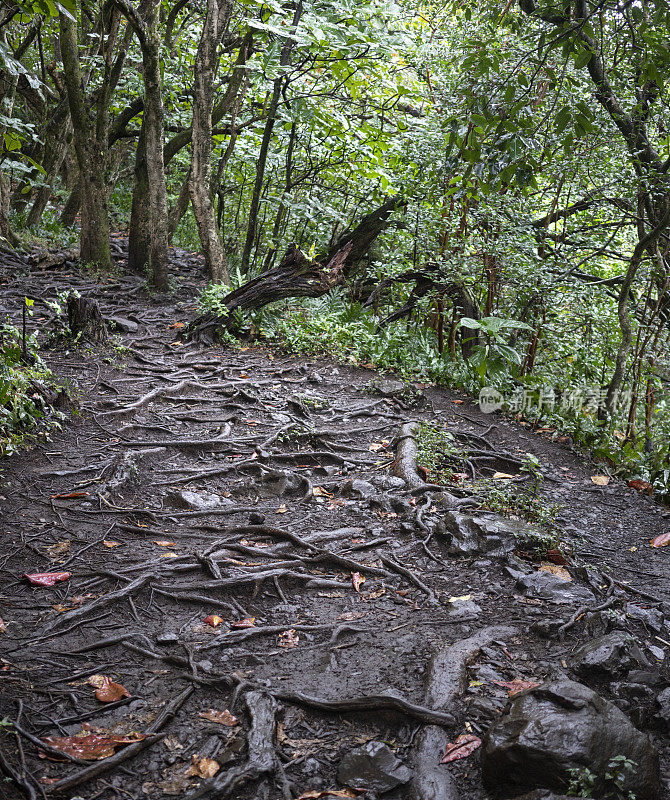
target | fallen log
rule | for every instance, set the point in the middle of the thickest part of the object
(297, 275)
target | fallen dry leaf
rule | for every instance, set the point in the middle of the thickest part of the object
(357, 580)
(69, 495)
(556, 569)
(556, 557)
(375, 447)
(57, 549)
(247, 622)
(288, 639)
(106, 691)
(214, 620)
(163, 543)
(109, 543)
(92, 744)
(317, 793)
(517, 686)
(502, 476)
(661, 541)
(176, 325)
(601, 480)
(220, 717)
(202, 767)
(282, 509)
(464, 745)
(641, 486)
(46, 578)
(319, 491)
(3, 626)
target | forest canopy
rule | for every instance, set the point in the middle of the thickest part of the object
(473, 193)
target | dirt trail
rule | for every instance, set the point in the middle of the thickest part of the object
(245, 485)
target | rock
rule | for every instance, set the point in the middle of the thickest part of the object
(611, 655)
(484, 533)
(560, 726)
(256, 519)
(122, 324)
(547, 586)
(387, 387)
(388, 482)
(657, 652)
(373, 767)
(357, 489)
(663, 701)
(198, 501)
(167, 637)
(545, 794)
(463, 609)
(651, 617)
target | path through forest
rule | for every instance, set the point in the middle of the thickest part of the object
(256, 490)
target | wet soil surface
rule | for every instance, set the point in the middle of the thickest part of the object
(235, 542)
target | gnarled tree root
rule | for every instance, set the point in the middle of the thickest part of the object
(446, 680)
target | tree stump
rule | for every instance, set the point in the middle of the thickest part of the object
(85, 320)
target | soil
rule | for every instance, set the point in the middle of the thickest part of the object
(268, 442)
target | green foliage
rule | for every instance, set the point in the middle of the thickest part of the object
(584, 782)
(24, 413)
(435, 445)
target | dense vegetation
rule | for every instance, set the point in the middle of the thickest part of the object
(526, 144)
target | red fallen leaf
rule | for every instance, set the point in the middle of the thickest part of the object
(176, 325)
(641, 486)
(357, 580)
(517, 686)
(464, 745)
(556, 557)
(661, 541)
(69, 495)
(248, 622)
(455, 477)
(91, 744)
(457, 402)
(106, 691)
(220, 717)
(214, 620)
(109, 543)
(46, 578)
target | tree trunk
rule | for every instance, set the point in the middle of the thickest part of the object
(84, 319)
(299, 276)
(91, 156)
(138, 236)
(216, 21)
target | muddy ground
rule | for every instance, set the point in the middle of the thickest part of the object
(192, 481)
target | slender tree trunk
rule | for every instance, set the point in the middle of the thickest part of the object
(216, 21)
(261, 161)
(138, 237)
(91, 156)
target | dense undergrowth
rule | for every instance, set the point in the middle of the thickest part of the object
(338, 327)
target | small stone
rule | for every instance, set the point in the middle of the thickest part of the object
(611, 655)
(357, 489)
(547, 586)
(463, 609)
(256, 519)
(198, 501)
(123, 324)
(167, 637)
(373, 767)
(651, 617)
(663, 701)
(657, 652)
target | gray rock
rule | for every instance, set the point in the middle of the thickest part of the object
(387, 387)
(123, 324)
(663, 701)
(484, 533)
(373, 767)
(256, 519)
(612, 655)
(198, 501)
(388, 482)
(545, 794)
(358, 489)
(560, 726)
(463, 609)
(167, 637)
(651, 617)
(547, 586)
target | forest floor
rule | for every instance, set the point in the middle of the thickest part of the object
(191, 481)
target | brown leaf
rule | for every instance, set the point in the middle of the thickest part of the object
(248, 622)
(214, 620)
(556, 557)
(661, 541)
(357, 580)
(464, 745)
(282, 509)
(163, 543)
(641, 486)
(601, 480)
(46, 578)
(69, 495)
(502, 476)
(57, 549)
(556, 569)
(202, 767)
(109, 543)
(106, 690)
(91, 745)
(319, 491)
(220, 717)
(3, 626)
(288, 639)
(516, 686)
